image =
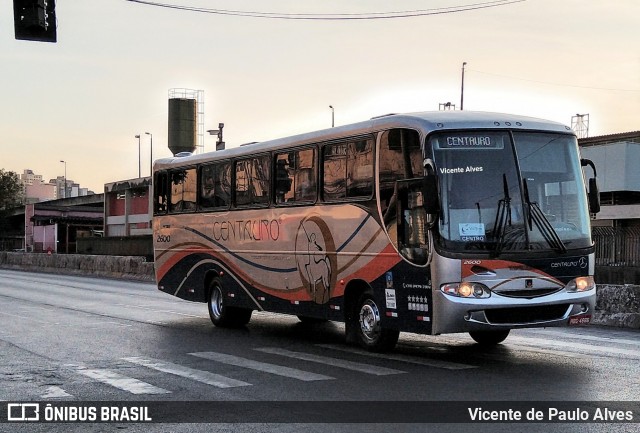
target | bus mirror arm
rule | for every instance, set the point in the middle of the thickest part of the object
(584, 162)
(593, 193)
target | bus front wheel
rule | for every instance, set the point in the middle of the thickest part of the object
(489, 338)
(370, 333)
(223, 315)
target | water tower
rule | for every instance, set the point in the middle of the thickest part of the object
(186, 120)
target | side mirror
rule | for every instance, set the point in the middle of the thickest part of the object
(430, 194)
(594, 196)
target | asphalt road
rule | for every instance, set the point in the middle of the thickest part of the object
(76, 339)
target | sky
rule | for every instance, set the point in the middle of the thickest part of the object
(107, 79)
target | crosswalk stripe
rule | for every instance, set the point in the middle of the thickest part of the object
(334, 362)
(402, 358)
(119, 381)
(190, 373)
(261, 366)
(55, 392)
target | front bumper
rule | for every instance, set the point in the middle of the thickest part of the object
(562, 308)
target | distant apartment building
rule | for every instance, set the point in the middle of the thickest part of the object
(69, 189)
(34, 188)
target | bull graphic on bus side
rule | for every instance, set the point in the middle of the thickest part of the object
(315, 263)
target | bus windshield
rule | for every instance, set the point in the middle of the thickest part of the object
(510, 191)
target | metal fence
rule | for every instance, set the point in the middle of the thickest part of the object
(617, 246)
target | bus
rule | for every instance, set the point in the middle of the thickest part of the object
(429, 223)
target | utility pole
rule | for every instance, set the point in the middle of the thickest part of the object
(139, 164)
(65, 179)
(462, 88)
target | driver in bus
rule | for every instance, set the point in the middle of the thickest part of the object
(283, 181)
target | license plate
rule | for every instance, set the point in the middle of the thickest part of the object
(580, 320)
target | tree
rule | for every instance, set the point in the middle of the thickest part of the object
(10, 189)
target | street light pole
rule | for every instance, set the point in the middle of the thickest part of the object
(332, 116)
(65, 179)
(139, 164)
(150, 154)
(462, 89)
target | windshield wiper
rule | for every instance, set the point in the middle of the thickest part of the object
(536, 215)
(503, 216)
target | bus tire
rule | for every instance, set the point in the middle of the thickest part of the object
(489, 338)
(369, 333)
(223, 315)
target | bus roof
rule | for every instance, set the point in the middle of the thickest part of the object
(424, 121)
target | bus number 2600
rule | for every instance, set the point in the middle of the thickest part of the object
(163, 238)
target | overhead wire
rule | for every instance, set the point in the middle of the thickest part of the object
(333, 16)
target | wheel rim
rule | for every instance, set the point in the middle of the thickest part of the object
(369, 320)
(215, 302)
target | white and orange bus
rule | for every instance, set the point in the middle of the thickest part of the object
(428, 223)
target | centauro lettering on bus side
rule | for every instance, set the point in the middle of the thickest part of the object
(428, 223)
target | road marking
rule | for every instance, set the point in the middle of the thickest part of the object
(403, 358)
(600, 339)
(153, 310)
(334, 362)
(119, 381)
(589, 348)
(55, 392)
(190, 373)
(27, 318)
(261, 366)
(516, 343)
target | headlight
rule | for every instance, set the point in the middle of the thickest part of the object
(581, 284)
(466, 290)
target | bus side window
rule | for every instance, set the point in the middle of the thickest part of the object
(283, 179)
(360, 168)
(183, 191)
(305, 185)
(160, 193)
(252, 181)
(348, 169)
(222, 183)
(400, 158)
(215, 185)
(295, 176)
(260, 184)
(207, 187)
(335, 171)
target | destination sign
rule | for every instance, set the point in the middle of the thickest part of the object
(471, 141)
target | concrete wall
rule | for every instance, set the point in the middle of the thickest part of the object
(117, 246)
(617, 305)
(130, 268)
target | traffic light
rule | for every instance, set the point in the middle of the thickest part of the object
(35, 20)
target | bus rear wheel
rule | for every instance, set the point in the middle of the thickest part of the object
(223, 315)
(369, 331)
(489, 338)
